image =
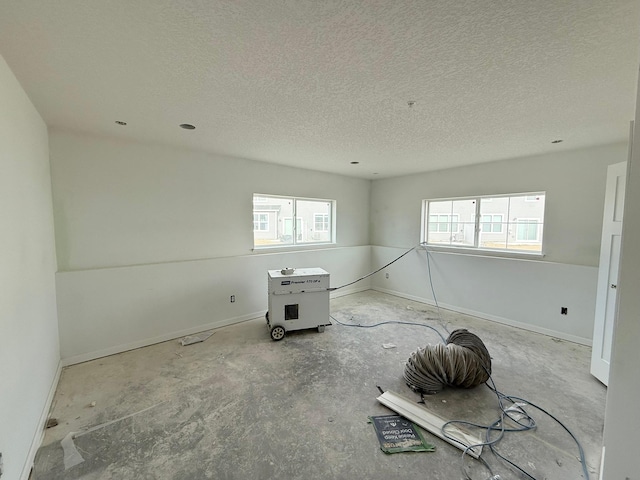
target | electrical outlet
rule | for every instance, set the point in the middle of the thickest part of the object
(563, 310)
(386, 275)
(232, 299)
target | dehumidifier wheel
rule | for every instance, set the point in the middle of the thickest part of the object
(266, 315)
(320, 328)
(277, 333)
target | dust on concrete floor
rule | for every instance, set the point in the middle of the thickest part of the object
(242, 406)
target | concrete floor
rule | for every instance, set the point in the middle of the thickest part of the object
(241, 406)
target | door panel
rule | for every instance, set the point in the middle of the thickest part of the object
(606, 300)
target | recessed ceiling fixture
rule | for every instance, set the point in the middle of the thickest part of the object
(557, 141)
(187, 126)
(119, 122)
(355, 163)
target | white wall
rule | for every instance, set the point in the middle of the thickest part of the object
(29, 354)
(622, 422)
(574, 182)
(105, 311)
(516, 291)
(120, 203)
(153, 240)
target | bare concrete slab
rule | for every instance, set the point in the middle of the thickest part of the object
(241, 406)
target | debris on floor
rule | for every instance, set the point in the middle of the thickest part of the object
(191, 339)
(516, 412)
(72, 456)
(220, 394)
(52, 422)
(461, 438)
(397, 434)
(388, 345)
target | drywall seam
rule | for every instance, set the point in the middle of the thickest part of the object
(38, 436)
(493, 318)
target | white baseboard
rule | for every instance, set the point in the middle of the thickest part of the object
(349, 291)
(85, 357)
(486, 316)
(39, 434)
(601, 476)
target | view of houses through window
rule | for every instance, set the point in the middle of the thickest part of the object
(504, 222)
(274, 225)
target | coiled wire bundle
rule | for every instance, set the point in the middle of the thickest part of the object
(463, 362)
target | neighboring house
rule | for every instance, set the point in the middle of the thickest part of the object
(504, 222)
(273, 221)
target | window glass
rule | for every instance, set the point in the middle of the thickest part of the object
(500, 222)
(315, 217)
(440, 222)
(261, 222)
(274, 224)
(526, 221)
(464, 228)
(321, 222)
(279, 212)
(527, 230)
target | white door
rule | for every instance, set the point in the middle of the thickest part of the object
(608, 271)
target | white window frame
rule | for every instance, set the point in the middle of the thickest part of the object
(451, 219)
(259, 222)
(492, 222)
(529, 197)
(324, 221)
(294, 228)
(528, 221)
(298, 240)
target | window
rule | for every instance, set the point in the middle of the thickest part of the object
(289, 230)
(498, 222)
(261, 222)
(274, 225)
(527, 229)
(443, 223)
(532, 198)
(491, 223)
(321, 222)
(451, 222)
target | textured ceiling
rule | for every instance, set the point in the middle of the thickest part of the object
(319, 84)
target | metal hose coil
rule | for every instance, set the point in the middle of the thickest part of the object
(463, 362)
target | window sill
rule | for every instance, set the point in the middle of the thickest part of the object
(293, 248)
(480, 252)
